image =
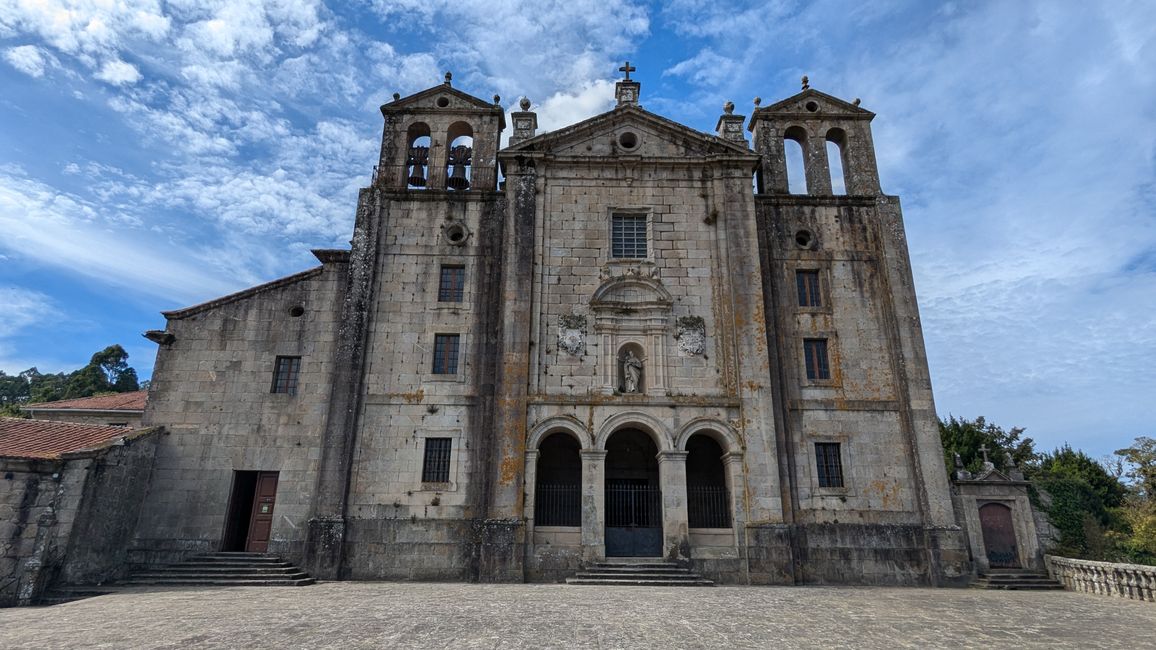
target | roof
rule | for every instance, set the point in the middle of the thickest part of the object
(178, 314)
(134, 401)
(45, 439)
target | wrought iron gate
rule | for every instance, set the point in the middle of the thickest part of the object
(708, 506)
(558, 505)
(633, 518)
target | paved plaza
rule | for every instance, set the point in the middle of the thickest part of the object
(422, 615)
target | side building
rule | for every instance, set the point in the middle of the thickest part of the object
(622, 338)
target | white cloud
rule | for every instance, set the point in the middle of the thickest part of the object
(29, 59)
(23, 308)
(564, 108)
(118, 73)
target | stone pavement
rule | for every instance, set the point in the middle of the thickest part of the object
(423, 615)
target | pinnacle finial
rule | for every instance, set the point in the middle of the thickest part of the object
(396, 96)
(856, 102)
(497, 99)
(449, 77)
(758, 100)
(525, 103)
(806, 82)
(729, 107)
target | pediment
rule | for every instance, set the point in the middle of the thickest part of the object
(439, 98)
(631, 292)
(812, 103)
(629, 131)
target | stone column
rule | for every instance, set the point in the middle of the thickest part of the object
(672, 481)
(531, 488)
(733, 462)
(593, 504)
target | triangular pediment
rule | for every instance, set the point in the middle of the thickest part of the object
(631, 131)
(439, 98)
(811, 102)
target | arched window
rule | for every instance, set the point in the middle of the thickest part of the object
(459, 162)
(558, 493)
(794, 148)
(836, 159)
(708, 500)
(417, 156)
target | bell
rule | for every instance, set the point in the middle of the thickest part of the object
(460, 157)
(418, 157)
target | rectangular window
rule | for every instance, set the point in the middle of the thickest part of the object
(452, 284)
(435, 468)
(815, 355)
(628, 236)
(285, 373)
(446, 354)
(829, 464)
(808, 284)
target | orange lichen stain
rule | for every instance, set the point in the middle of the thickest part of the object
(754, 386)
(509, 470)
(414, 397)
(888, 490)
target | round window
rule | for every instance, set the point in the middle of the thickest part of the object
(457, 234)
(628, 140)
(296, 311)
(812, 106)
(442, 102)
(805, 239)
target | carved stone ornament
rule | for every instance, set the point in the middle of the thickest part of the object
(570, 336)
(691, 335)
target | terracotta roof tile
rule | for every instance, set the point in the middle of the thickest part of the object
(47, 439)
(134, 401)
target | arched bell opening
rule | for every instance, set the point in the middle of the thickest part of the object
(795, 163)
(708, 500)
(558, 491)
(633, 495)
(459, 162)
(631, 369)
(417, 156)
(837, 159)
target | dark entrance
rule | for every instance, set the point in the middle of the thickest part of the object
(999, 536)
(708, 504)
(633, 498)
(558, 494)
(250, 517)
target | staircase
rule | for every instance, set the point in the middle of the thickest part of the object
(641, 572)
(224, 569)
(1015, 579)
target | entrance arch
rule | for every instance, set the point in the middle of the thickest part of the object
(707, 499)
(558, 488)
(999, 536)
(633, 497)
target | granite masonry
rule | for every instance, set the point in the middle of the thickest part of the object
(622, 338)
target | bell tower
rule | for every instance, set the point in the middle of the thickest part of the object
(440, 139)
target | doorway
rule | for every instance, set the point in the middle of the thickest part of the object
(999, 536)
(250, 515)
(633, 496)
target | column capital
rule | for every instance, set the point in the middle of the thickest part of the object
(592, 454)
(672, 455)
(733, 457)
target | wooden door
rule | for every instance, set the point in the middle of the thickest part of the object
(261, 520)
(999, 536)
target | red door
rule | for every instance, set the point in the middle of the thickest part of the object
(999, 536)
(261, 521)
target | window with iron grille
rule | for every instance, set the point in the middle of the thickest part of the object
(435, 468)
(829, 464)
(628, 236)
(452, 284)
(446, 354)
(285, 373)
(808, 284)
(815, 355)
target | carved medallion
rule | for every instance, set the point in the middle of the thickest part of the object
(570, 333)
(691, 336)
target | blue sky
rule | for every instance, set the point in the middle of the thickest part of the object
(157, 154)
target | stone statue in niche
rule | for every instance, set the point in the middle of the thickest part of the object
(691, 336)
(570, 337)
(631, 373)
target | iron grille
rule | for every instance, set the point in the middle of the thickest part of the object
(446, 354)
(452, 284)
(815, 354)
(436, 466)
(628, 236)
(633, 504)
(285, 373)
(808, 285)
(829, 464)
(708, 506)
(557, 505)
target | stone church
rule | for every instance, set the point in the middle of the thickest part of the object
(622, 338)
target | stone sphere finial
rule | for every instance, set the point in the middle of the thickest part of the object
(856, 102)
(497, 98)
(525, 103)
(396, 96)
(806, 82)
(449, 77)
(729, 108)
(758, 100)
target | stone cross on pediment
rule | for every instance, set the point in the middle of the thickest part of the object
(983, 450)
(627, 69)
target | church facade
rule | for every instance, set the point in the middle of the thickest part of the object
(622, 338)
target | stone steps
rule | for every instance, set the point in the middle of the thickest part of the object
(1016, 580)
(642, 573)
(223, 569)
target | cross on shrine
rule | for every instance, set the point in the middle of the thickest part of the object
(627, 69)
(983, 450)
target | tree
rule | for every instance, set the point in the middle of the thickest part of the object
(1066, 462)
(107, 372)
(965, 437)
(1140, 466)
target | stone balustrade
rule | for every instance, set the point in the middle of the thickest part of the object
(1134, 581)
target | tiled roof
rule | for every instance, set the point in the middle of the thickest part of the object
(134, 401)
(46, 439)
